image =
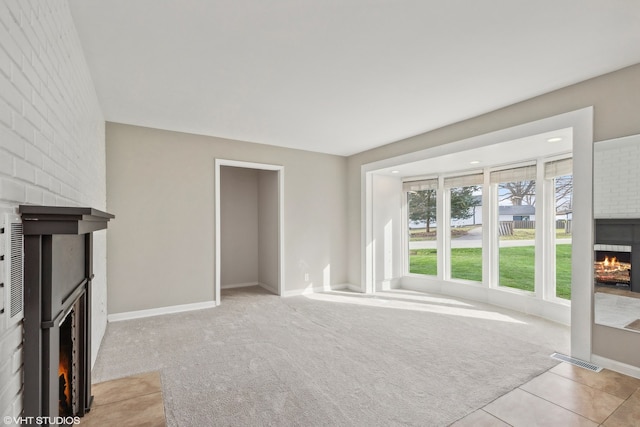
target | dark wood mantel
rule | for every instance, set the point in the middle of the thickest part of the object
(39, 220)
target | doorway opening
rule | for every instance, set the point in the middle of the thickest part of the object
(248, 226)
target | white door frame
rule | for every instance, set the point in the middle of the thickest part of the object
(249, 165)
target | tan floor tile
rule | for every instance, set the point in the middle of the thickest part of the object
(479, 418)
(611, 382)
(520, 408)
(584, 400)
(628, 414)
(125, 388)
(141, 411)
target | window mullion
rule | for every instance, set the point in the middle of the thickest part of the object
(442, 228)
(541, 238)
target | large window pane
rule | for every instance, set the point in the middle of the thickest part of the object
(466, 233)
(516, 227)
(423, 255)
(563, 213)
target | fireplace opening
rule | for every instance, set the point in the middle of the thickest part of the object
(67, 404)
(613, 268)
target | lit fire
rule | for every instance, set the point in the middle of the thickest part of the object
(64, 405)
(612, 270)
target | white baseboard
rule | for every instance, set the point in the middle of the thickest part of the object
(387, 285)
(240, 285)
(268, 288)
(315, 289)
(508, 298)
(117, 317)
(354, 288)
(623, 368)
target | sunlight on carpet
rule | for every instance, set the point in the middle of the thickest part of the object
(426, 304)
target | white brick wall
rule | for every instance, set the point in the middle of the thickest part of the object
(52, 140)
(616, 178)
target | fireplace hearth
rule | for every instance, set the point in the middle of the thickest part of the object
(58, 270)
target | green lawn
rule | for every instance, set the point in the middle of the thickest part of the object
(516, 266)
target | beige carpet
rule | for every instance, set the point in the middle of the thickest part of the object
(336, 359)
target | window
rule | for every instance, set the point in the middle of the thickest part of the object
(449, 237)
(465, 226)
(516, 191)
(422, 210)
(560, 175)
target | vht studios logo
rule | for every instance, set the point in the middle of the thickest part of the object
(41, 420)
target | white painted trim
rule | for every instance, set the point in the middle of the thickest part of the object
(139, 314)
(217, 276)
(352, 287)
(249, 165)
(388, 284)
(581, 122)
(319, 289)
(267, 288)
(240, 285)
(513, 299)
(368, 263)
(614, 365)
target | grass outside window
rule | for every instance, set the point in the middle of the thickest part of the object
(516, 272)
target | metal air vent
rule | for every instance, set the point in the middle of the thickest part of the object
(11, 270)
(16, 289)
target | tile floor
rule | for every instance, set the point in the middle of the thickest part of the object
(565, 395)
(131, 401)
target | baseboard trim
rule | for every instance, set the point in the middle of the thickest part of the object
(268, 288)
(354, 288)
(613, 365)
(139, 314)
(315, 289)
(240, 285)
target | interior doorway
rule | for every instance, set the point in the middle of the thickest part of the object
(248, 225)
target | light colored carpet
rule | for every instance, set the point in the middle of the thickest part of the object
(334, 359)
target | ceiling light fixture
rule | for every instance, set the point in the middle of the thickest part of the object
(474, 162)
(395, 171)
(555, 139)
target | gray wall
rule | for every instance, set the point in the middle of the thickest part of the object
(238, 226)
(616, 105)
(268, 227)
(249, 227)
(160, 184)
(616, 111)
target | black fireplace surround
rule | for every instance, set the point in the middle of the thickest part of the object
(624, 232)
(58, 269)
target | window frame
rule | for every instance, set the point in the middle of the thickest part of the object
(545, 253)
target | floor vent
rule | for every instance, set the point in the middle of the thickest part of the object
(576, 362)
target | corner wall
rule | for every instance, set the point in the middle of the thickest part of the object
(161, 189)
(51, 144)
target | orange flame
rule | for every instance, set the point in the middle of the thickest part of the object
(63, 371)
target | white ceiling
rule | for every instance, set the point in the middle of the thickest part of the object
(341, 76)
(548, 146)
